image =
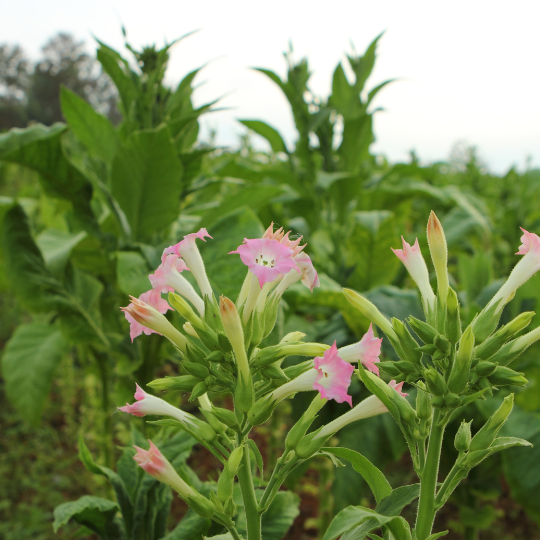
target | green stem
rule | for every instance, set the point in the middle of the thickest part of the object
(275, 483)
(447, 487)
(428, 481)
(253, 517)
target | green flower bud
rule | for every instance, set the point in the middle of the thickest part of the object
(390, 368)
(487, 433)
(485, 322)
(201, 505)
(215, 424)
(309, 445)
(503, 376)
(225, 486)
(262, 410)
(234, 460)
(439, 254)
(292, 337)
(459, 375)
(437, 402)
(298, 431)
(226, 416)
(474, 458)
(199, 389)
(463, 437)
(442, 344)
(203, 430)
(216, 356)
(274, 372)
(485, 369)
(425, 331)
(229, 508)
(406, 412)
(435, 382)
(218, 507)
(429, 349)
(407, 342)
(453, 320)
(184, 383)
(452, 401)
(197, 370)
(294, 371)
(244, 396)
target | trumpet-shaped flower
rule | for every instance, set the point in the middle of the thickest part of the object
(307, 274)
(148, 404)
(366, 351)
(187, 249)
(167, 278)
(156, 464)
(145, 314)
(371, 406)
(266, 258)
(151, 299)
(331, 376)
(412, 258)
(522, 272)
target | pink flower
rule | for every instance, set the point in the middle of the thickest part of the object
(397, 387)
(167, 278)
(187, 249)
(284, 239)
(307, 274)
(149, 404)
(412, 258)
(334, 376)
(530, 241)
(366, 351)
(141, 310)
(266, 258)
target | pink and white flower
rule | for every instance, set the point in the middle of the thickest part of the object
(266, 258)
(187, 249)
(331, 376)
(156, 464)
(139, 310)
(149, 404)
(307, 274)
(366, 351)
(146, 314)
(167, 278)
(371, 406)
(522, 272)
(412, 258)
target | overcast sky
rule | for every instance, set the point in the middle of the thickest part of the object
(468, 69)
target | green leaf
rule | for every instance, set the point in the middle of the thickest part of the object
(371, 474)
(345, 524)
(227, 272)
(56, 246)
(257, 454)
(268, 132)
(226, 536)
(122, 495)
(368, 253)
(398, 500)
(29, 361)
(147, 181)
(95, 513)
(281, 514)
(132, 273)
(94, 130)
(191, 527)
(438, 535)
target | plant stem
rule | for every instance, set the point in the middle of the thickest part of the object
(428, 481)
(253, 518)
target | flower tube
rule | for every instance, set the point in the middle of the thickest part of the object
(366, 351)
(188, 250)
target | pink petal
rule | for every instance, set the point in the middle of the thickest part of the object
(529, 241)
(370, 349)
(188, 238)
(397, 387)
(334, 376)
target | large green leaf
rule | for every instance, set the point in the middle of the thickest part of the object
(368, 252)
(268, 132)
(191, 527)
(95, 513)
(94, 130)
(28, 365)
(56, 246)
(122, 495)
(227, 272)
(147, 181)
(398, 500)
(281, 514)
(372, 475)
(344, 525)
(132, 273)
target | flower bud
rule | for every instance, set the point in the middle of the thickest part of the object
(453, 320)
(503, 376)
(262, 410)
(184, 308)
(368, 309)
(214, 423)
(276, 373)
(226, 416)
(234, 460)
(184, 383)
(407, 342)
(443, 344)
(459, 375)
(485, 369)
(463, 437)
(511, 350)
(292, 337)
(474, 458)
(452, 401)
(439, 254)
(424, 410)
(435, 382)
(229, 508)
(235, 333)
(269, 355)
(429, 349)
(390, 368)
(425, 331)
(225, 486)
(487, 433)
(198, 390)
(201, 505)
(298, 431)
(310, 445)
(215, 356)
(486, 321)
(244, 396)
(295, 371)
(197, 370)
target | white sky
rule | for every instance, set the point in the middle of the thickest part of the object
(468, 69)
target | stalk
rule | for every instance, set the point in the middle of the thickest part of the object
(428, 481)
(253, 518)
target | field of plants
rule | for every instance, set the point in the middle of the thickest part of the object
(273, 408)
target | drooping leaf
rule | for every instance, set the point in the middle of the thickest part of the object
(147, 181)
(56, 247)
(132, 273)
(268, 132)
(371, 474)
(29, 361)
(94, 130)
(191, 527)
(95, 513)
